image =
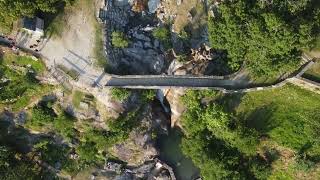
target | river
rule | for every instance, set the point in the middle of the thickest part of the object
(170, 152)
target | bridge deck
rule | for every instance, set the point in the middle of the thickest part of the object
(163, 82)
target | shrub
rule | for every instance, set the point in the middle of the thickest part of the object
(163, 35)
(120, 93)
(64, 125)
(148, 95)
(119, 40)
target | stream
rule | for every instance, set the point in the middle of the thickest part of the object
(170, 152)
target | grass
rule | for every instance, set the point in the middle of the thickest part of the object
(24, 61)
(101, 60)
(77, 97)
(22, 89)
(120, 94)
(288, 115)
(313, 73)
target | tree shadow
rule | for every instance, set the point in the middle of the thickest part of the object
(230, 101)
(260, 119)
(248, 167)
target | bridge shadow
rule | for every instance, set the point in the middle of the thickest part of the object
(80, 57)
(74, 65)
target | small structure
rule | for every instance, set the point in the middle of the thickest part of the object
(33, 25)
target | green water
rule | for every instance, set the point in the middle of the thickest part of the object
(171, 153)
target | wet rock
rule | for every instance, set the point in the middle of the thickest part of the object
(138, 44)
(141, 37)
(156, 44)
(121, 2)
(147, 45)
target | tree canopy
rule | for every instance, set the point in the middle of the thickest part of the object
(267, 35)
(11, 10)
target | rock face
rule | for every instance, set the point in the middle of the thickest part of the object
(140, 146)
(144, 54)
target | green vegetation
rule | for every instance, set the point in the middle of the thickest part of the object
(21, 85)
(12, 10)
(227, 139)
(163, 35)
(267, 37)
(77, 97)
(98, 48)
(64, 125)
(148, 95)
(289, 118)
(120, 94)
(119, 40)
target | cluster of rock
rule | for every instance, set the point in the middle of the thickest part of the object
(144, 55)
(140, 146)
(154, 169)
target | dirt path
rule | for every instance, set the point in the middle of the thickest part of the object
(74, 49)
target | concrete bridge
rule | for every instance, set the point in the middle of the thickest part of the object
(158, 82)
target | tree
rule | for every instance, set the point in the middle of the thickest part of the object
(267, 36)
(12, 10)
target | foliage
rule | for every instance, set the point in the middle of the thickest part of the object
(40, 116)
(101, 59)
(94, 142)
(148, 95)
(77, 98)
(22, 84)
(64, 125)
(268, 37)
(11, 10)
(120, 93)
(225, 145)
(119, 40)
(163, 35)
(290, 117)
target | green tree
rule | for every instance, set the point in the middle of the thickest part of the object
(268, 37)
(12, 10)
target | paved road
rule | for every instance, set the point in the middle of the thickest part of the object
(154, 82)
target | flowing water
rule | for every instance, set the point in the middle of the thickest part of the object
(170, 152)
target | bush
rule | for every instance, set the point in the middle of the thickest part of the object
(120, 93)
(119, 40)
(148, 95)
(64, 125)
(163, 35)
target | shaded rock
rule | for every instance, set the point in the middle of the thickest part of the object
(141, 37)
(147, 45)
(121, 2)
(21, 118)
